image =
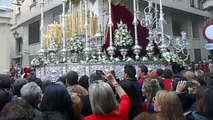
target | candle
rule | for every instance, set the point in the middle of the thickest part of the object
(90, 24)
(46, 41)
(76, 22)
(95, 24)
(73, 19)
(70, 6)
(81, 20)
(161, 6)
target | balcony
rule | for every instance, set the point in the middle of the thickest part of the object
(207, 4)
(33, 6)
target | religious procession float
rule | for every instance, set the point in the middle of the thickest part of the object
(105, 34)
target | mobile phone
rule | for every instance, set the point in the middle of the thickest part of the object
(190, 84)
(99, 72)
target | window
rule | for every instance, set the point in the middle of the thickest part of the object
(192, 3)
(56, 16)
(195, 29)
(34, 32)
(195, 3)
(19, 45)
(178, 24)
(197, 54)
(176, 28)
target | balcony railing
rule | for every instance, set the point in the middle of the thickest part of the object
(33, 6)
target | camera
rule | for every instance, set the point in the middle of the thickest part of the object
(99, 72)
(190, 84)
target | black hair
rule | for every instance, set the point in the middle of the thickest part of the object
(144, 69)
(167, 73)
(5, 81)
(33, 78)
(94, 77)
(84, 81)
(5, 97)
(72, 78)
(130, 71)
(131, 91)
(159, 72)
(62, 79)
(56, 98)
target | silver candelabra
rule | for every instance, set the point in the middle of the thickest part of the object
(63, 50)
(87, 49)
(154, 21)
(42, 52)
(111, 48)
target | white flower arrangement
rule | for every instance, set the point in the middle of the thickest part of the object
(122, 37)
(129, 59)
(36, 62)
(172, 57)
(75, 44)
(144, 58)
(53, 46)
(150, 46)
(155, 58)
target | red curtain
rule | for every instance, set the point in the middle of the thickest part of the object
(122, 13)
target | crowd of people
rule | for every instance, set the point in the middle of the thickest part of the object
(160, 94)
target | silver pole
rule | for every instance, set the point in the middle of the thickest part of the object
(110, 49)
(42, 51)
(136, 48)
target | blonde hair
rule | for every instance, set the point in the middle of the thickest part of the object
(81, 91)
(151, 86)
(170, 105)
(189, 75)
(76, 106)
(102, 98)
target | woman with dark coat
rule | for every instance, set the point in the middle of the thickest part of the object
(56, 103)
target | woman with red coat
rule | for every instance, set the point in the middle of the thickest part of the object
(103, 102)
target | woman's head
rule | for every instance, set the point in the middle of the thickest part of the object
(12, 71)
(205, 103)
(79, 90)
(19, 110)
(57, 98)
(102, 98)
(150, 88)
(189, 75)
(168, 104)
(5, 81)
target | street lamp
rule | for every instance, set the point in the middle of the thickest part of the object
(15, 34)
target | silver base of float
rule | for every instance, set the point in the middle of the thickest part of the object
(53, 72)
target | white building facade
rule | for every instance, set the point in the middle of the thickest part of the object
(5, 16)
(181, 15)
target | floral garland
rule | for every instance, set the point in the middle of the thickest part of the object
(122, 37)
(75, 44)
(170, 57)
(36, 62)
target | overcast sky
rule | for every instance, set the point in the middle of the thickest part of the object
(5, 3)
